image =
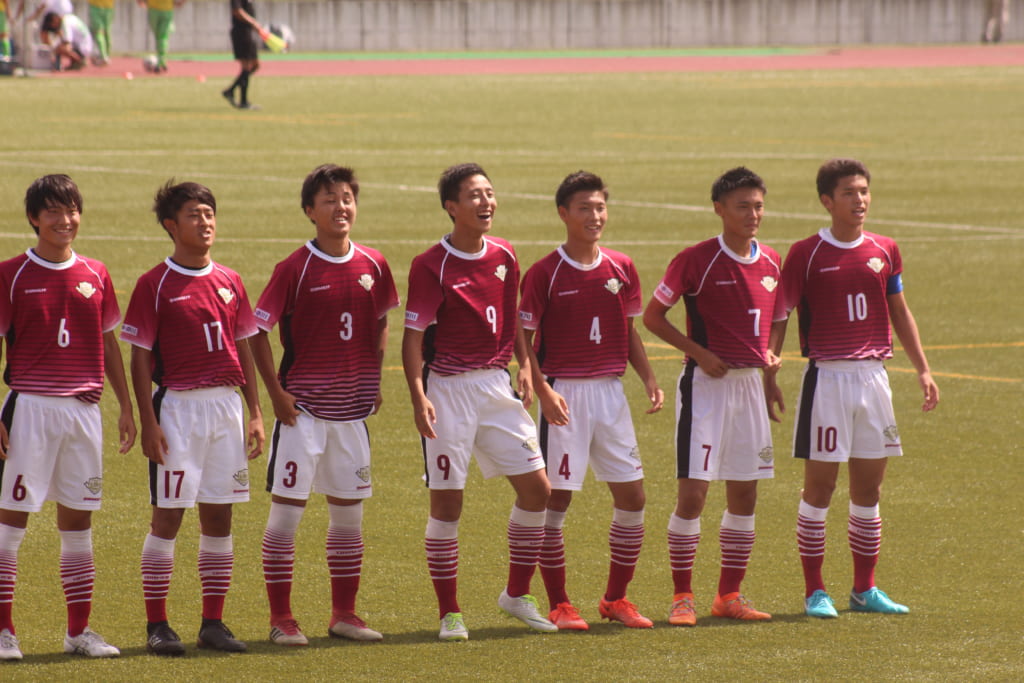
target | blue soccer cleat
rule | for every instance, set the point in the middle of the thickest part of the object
(874, 600)
(819, 605)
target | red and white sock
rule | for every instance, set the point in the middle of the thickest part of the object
(552, 558)
(157, 567)
(10, 540)
(442, 547)
(810, 541)
(278, 554)
(525, 538)
(77, 576)
(865, 537)
(736, 541)
(683, 538)
(216, 561)
(345, 555)
(625, 538)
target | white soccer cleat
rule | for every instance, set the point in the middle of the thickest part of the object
(453, 628)
(90, 644)
(524, 608)
(9, 646)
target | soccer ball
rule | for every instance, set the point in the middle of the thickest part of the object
(150, 64)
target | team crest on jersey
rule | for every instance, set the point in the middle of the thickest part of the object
(94, 484)
(364, 474)
(85, 289)
(766, 454)
(876, 264)
(501, 271)
(242, 477)
(613, 285)
(892, 433)
(531, 444)
(769, 283)
(226, 294)
(366, 282)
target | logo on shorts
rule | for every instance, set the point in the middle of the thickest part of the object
(364, 474)
(531, 444)
(876, 264)
(85, 289)
(501, 271)
(613, 285)
(94, 484)
(769, 283)
(892, 433)
(226, 294)
(242, 477)
(635, 453)
(766, 454)
(366, 282)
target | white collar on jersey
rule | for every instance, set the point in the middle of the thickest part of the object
(190, 272)
(39, 260)
(332, 259)
(446, 243)
(755, 252)
(582, 266)
(826, 235)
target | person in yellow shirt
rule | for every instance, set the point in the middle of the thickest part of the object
(161, 22)
(101, 16)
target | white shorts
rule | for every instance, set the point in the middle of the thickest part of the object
(332, 458)
(478, 415)
(206, 461)
(845, 411)
(600, 431)
(55, 453)
(722, 429)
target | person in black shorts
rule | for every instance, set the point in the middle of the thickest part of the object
(246, 49)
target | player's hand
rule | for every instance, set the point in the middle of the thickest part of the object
(154, 444)
(256, 436)
(553, 407)
(423, 413)
(524, 387)
(285, 409)
(711, 364)
(4, 442)
(377, 401)
(931, 391)
(774, 363)
(773, 397)
(126, 428)
(655, 395)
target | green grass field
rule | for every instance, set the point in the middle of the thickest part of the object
(946, 148)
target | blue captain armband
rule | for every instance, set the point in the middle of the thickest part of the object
(895, 284)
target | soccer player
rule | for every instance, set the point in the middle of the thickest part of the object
(5, 35)
(331, 298)
(188, 321)
(74, 42)
(577, 311)
(58, 312)
(728, 284)
(246, 51)
(846, 284)
(460, 334)
(101, 17)
(160, 14)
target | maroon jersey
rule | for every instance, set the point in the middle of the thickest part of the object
(190, 319)
(54, 316)
(470, 300)
(329, 310)
(581, 312)
(731, 300)
(840, 291)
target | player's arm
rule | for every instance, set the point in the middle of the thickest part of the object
(255, 436)
(552, 405)
(113, 365)
(382, 344)
(524, 376)
(772, 392)
(642, 365)
(154, 444)
(4, 437)
(284, 402)
(656, 320)
(412, 362)
(904, 325)
(239, 13)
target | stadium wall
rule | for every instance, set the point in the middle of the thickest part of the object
(433, 25)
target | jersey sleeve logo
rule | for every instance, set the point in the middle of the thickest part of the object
(526, 316)
(769, 283)
(876, 264)
(501, 271)
(366, 282)
(613, 285)
(226, 294)
(261, 314)
(85, 289)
